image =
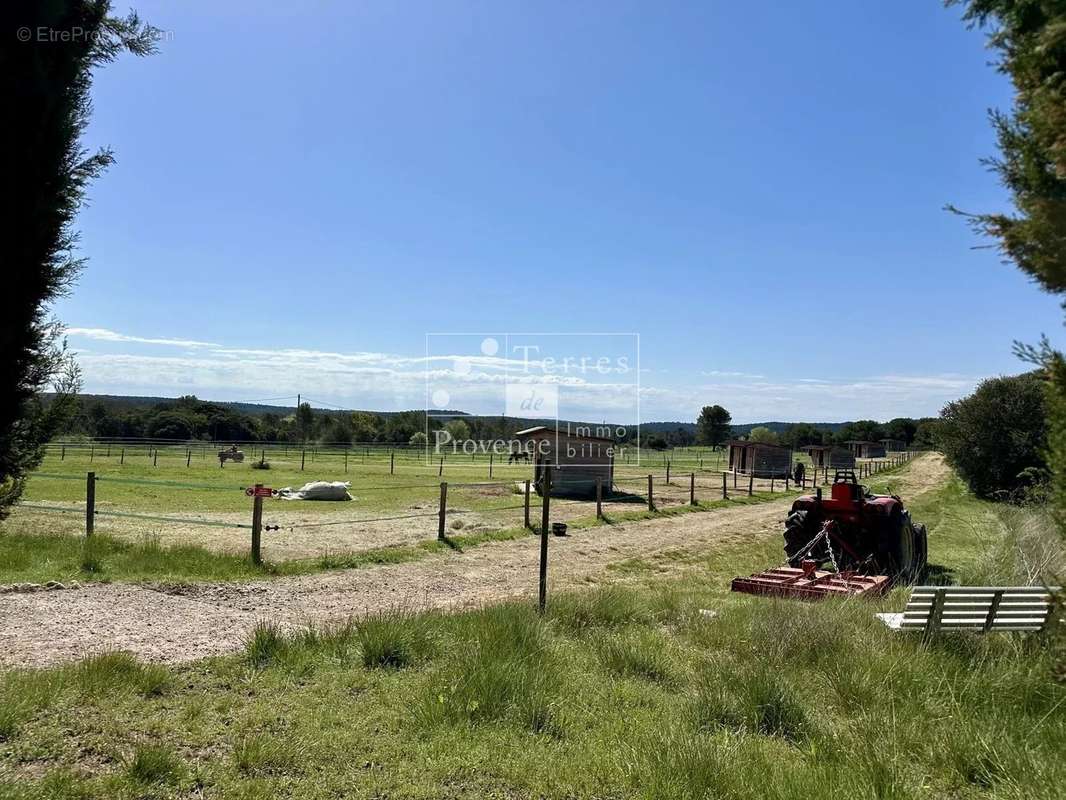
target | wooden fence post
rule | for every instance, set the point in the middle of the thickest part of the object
(544, 512)
(257, 526)
(155, 458)
(751, 483)
(668, 472)
(90, 503)
(440, 471)
(692, 488)
(442, 510)
(303, 459)
(63, 453)
(122, 456)
(651, 499)
(771, 484)
(490, 466)
(392, 463)
(725, 494)
(599, 498)
(527, 503)
(188, 457)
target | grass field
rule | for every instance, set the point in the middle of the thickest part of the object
(621, 691)
(393, 516)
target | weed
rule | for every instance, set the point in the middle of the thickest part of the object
(153, 764)
(260, 753)
(639, 656)
(502, 668)
(265, 644)
(395, 639)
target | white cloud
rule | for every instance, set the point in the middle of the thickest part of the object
(390, 381)
(104, 335)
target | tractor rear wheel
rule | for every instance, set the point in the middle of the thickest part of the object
(899, 548)
(921, 549)
(798, 533)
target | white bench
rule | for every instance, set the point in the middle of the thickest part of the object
(975, 608)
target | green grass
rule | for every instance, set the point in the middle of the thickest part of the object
(651, 699)
(27, 557)
(619, 691)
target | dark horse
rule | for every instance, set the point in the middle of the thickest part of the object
(521, 455)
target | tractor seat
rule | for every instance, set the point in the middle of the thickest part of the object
(846, 492)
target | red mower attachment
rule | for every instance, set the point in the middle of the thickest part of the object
(809, 583)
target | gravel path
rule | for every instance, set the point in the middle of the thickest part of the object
(184, 623)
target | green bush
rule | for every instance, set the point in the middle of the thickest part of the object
(997, 436)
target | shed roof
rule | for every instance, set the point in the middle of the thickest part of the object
(749, 443)
(860, 441)
(570, 434)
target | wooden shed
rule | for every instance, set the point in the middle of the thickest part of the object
(893, 445)
(861, 449)
(577, 461)
(759, 459)
(825, 455)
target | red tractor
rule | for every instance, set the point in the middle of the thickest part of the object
(869, 540)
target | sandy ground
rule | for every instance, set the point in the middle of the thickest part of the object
(183, 623)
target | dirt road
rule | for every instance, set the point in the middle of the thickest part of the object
(185, 623)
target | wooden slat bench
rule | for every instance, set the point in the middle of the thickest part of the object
(974, 608)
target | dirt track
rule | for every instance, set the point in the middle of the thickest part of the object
(190, 622)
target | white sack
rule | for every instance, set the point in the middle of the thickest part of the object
(317, 490)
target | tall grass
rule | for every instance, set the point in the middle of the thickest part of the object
(152, 764)
(504, 670)
(394, 639)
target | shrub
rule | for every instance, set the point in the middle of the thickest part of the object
(996, 436)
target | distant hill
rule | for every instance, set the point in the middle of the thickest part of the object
(128, 402)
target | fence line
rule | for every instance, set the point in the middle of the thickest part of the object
(687, 487)
(131, 515)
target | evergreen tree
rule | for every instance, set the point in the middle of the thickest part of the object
(45, 85)
(713, 426)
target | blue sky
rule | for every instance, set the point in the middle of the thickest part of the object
(303, 191)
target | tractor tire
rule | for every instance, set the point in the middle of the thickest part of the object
(899, 549)
(921, 549)
(798, 533)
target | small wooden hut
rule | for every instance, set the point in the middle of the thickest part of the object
(893, 445)
(759, 459)
(577, 461)
(861, 449)
(825, 455)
